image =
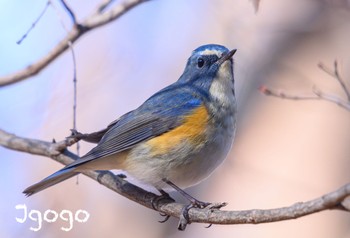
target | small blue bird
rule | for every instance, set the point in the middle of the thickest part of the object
(176, 138)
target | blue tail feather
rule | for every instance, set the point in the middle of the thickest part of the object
(51, 180)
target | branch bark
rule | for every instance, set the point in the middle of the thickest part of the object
(338, 199)
(94, 21)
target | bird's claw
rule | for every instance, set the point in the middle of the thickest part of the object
(185, 218)
(164, 198)
(166, 217)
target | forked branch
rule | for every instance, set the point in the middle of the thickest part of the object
(317, 93)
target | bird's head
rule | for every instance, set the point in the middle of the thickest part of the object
(208, 63)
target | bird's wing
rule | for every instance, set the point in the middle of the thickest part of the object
(156, 116)
(162, 112)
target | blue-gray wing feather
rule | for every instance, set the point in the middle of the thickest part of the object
(155, 117)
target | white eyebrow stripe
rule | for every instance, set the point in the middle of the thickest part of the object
(211, 52)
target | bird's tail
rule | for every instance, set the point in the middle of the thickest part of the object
(51, 180)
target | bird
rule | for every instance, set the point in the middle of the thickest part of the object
(176, 138)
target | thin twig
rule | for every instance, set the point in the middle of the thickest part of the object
(70, 44)
(283, 95)
(318, 96)
(70, 12)
(75, 93)
(335, 74)
(60, 17)
(99, 19)
(34, 23)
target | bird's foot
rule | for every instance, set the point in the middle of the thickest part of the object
(163, 198)
(194, 203)
(185, 218)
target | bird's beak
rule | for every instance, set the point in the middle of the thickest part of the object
(225, 57)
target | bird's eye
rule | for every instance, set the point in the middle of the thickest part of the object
(200, 62)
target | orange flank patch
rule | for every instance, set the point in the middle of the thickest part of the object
(192, 130)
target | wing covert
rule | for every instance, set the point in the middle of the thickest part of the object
(155, 117)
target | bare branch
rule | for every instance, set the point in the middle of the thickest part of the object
(33, 146)
(338, 199)
(319, 95)
(34, 23)
(75, 94)
(335, 74)
(70, 44)
(283, 95)
(99, 19)
(92, 22)
(70, 12)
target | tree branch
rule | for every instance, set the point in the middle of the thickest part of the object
(318, 94)
(335, 74)
(94, 21)
(338, 199)
(70, 12)
(34, 23)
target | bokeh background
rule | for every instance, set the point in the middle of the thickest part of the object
(284, 152)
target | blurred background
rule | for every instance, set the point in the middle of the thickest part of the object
(284, 152)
